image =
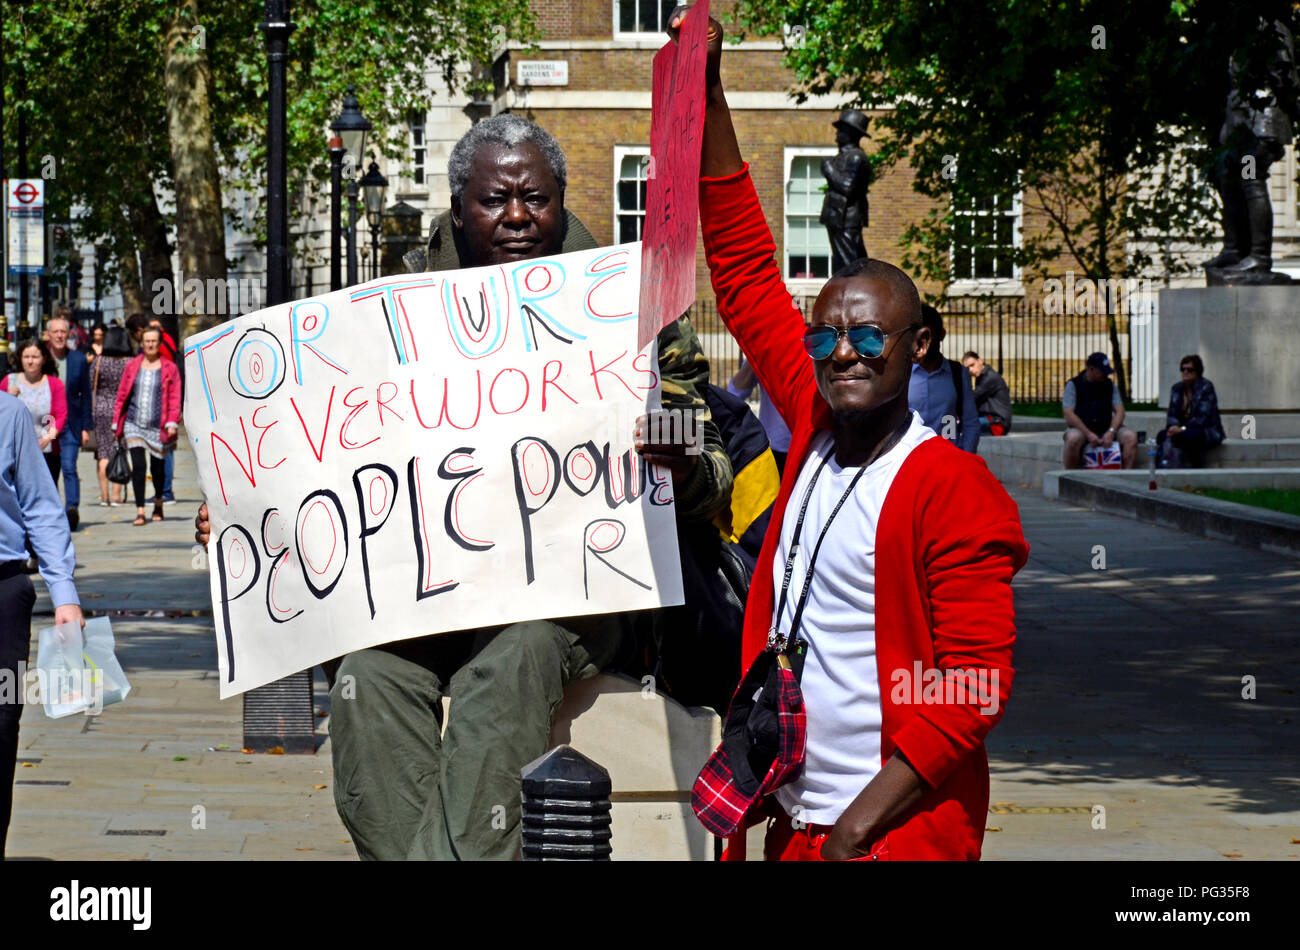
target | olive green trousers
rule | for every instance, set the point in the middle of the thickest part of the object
(407, 790)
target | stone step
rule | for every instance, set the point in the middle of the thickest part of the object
(1267, 425)
(1023, 458)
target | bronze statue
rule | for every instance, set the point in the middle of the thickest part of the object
(1256, 129)
(848, 175)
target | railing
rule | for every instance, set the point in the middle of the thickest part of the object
(1035, 351)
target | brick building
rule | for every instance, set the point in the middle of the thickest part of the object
(588, 83)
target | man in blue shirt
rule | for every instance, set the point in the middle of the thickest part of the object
(29, 509)
(940, 390)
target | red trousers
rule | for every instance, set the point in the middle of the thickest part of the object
(785, 842)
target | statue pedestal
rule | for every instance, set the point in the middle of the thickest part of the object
(1247, 337)
(1226, 277)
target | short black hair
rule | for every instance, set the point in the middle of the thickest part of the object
(1196, 362)
(931, 319)
(135, 322)
(116, 341)
(876, 269)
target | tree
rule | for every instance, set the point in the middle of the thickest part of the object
(74, 61)
(1094, 110)
(200, 229)
(142, 101)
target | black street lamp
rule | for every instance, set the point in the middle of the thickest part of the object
(373, 186)
(276, 30)
(280, 714)
(351, 126)
(336, 197)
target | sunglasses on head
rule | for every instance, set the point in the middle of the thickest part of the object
(868, 339)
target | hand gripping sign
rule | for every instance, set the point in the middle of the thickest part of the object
(427, 453)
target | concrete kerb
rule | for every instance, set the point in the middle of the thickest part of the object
(1127, 493)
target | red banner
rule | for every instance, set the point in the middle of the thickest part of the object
(672, 189)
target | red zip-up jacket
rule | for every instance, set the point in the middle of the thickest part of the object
(170, 396)
(948, 543)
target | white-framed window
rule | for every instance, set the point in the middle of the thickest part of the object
(806, 255)
(642, 16)
(419, 148)
(631, 167)
(1284, 194)
(986, 233)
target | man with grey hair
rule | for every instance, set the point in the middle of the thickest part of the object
(511, 133)
(76, 431)
(403, 788)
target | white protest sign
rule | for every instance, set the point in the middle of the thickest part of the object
(427, 453)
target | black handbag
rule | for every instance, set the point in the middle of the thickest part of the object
(696, 648)
(119, 465)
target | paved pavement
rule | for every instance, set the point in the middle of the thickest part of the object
(1128, 697)
(161, 774)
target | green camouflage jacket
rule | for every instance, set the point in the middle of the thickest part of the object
(683, 370)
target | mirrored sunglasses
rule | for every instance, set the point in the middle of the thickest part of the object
(868, 339)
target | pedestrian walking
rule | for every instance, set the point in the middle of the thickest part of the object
(75, 432)
(29, 512)
(39, 389)
(167, 349)
(105, 377)
(96, 343)
(147, 414)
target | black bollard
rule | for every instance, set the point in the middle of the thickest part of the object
(566, 808)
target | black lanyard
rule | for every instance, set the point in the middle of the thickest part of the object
(789, 642)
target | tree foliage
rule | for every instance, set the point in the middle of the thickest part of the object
(1095, 110)
(89, 76)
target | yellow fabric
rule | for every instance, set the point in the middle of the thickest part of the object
(753, 491)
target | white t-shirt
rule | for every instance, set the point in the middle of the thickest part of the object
(840, 683)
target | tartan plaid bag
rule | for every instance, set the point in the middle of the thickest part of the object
(765, 735)
(763, 743)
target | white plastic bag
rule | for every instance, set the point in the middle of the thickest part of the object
(78, 672)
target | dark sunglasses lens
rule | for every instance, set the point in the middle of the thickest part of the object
(819, 342)
(868, 341)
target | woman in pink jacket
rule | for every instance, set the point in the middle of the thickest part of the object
(38, 387)
(147, 416)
